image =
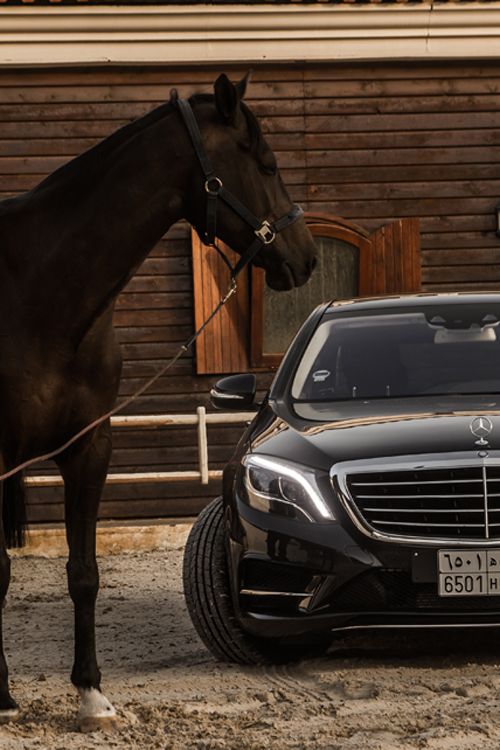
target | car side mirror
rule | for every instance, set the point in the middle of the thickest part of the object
(236, 392)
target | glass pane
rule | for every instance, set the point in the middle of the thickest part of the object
(335, 277)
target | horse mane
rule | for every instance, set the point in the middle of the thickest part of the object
(94, 157)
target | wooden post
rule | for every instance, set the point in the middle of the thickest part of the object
(202, 443)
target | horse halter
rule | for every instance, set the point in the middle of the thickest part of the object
(265, 231)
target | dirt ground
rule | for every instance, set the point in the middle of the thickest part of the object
(402, 692)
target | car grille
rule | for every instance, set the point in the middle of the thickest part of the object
(442, 503)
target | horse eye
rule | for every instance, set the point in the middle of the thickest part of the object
(267, 170)
(267, 163)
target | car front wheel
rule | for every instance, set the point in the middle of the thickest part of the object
(209, 601)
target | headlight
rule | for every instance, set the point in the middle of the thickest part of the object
(275, 486)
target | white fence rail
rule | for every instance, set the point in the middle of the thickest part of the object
(201, 419)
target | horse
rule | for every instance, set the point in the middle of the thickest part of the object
(67, 248)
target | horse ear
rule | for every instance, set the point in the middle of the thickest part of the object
(241, 87)
(174, 96)
(227, 99)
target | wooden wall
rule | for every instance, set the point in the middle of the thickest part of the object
(369, 142)
(412, 140)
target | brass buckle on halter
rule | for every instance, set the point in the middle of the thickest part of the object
(266, 233)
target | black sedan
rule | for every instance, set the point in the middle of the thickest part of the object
(366, 491)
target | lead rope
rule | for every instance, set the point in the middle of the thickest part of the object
(134, 396)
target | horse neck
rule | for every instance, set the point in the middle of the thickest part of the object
(98, 226)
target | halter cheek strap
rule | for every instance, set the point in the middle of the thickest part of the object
(265, 231)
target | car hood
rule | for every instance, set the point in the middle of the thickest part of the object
(398, 429)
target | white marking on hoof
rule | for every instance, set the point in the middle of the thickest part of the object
(8, 715)
(96, 712)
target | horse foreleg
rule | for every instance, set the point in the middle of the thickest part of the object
(9, 710)
(84, 471)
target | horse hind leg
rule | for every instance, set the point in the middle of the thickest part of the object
(9, 710)
(10, 492)
(84, 471)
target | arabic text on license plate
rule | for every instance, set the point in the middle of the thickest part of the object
(469, 572)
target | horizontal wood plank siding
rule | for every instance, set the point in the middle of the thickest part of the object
(418, 140)
(371, 143)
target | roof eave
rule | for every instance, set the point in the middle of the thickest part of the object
(201, 34)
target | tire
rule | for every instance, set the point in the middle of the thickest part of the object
(209, 602)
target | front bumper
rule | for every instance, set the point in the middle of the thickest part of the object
(296, 579)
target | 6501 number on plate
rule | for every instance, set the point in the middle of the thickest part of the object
(469, 572)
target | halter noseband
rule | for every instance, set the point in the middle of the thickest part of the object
(265, 231)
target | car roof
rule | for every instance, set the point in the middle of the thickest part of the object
(424, 299)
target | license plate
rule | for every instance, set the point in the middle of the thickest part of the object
(469, 572)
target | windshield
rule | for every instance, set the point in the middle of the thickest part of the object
(453, 349)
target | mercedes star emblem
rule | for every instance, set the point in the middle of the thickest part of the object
(481, 428)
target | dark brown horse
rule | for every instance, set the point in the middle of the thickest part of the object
(67, 248)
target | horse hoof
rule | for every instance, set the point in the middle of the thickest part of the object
(98, 724)
(96, 712)
(9, 714)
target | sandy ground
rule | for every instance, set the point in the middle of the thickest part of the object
(411, 692)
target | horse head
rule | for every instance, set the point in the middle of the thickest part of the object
(246, 166)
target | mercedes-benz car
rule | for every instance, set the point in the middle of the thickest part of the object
(365, 493)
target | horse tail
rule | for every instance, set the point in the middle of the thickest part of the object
(14, 511)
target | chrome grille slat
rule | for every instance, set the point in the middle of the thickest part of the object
(485, 491)
(417, 497)
(440, 489)
(423, 481)
(423, 510)
(437, 525)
